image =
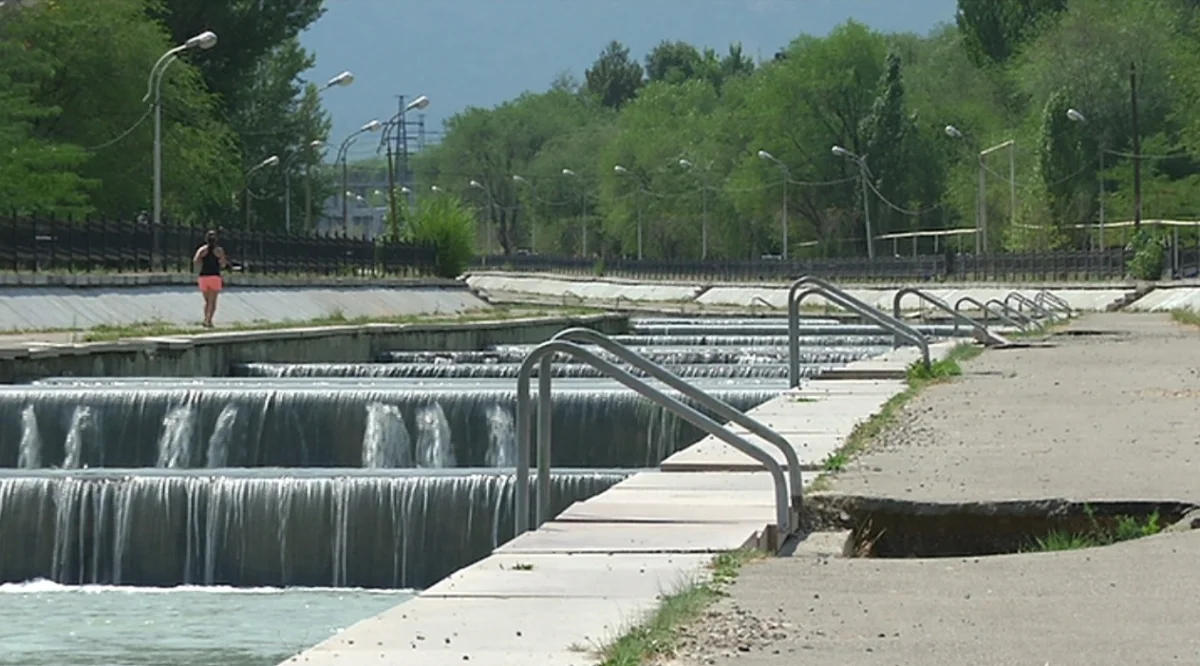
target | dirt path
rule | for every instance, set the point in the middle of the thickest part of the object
(1112, 416)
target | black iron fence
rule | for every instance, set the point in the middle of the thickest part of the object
(1023, 266)
(30, 244)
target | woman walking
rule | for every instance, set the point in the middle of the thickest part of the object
(210, 259)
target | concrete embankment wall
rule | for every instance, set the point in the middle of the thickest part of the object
(1165, 300)
(615, 292)
(212, 354)
(34, 303)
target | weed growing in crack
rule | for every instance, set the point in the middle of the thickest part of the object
(1186, 316)
(836, 461)
(1126, 528)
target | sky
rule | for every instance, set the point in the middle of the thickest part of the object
(483, 52)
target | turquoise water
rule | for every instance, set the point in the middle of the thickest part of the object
(44, 624)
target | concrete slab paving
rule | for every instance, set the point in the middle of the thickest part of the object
(1165, 300)
(572, 576)
(668, 511)
(506, 631)
(576, 537)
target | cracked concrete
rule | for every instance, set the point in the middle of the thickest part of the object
(1098, 417)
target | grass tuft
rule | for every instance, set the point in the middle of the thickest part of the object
(655, 638)
(1186, 316)
(1126, 528)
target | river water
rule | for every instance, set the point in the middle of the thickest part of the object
(44, 624)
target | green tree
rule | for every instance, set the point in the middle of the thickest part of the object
(1060, 156)
(885, 138)
(35, 174)
(445, 221)
(614, 79)
(994, 31)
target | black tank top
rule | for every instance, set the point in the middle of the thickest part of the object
(210, 264)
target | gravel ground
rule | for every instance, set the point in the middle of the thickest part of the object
(1109, 416)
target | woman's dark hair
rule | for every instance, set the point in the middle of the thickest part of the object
(210, 237)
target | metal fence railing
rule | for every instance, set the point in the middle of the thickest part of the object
(30, 244)
(1021, 266)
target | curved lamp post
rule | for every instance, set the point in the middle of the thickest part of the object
(373, 126)
(787, 177)
(201, 42)
(269, 162)
(491, 208)
(862, 172)
(418, 104)
(287, 181)
(583, 235)
(1075, 116)
(626, 172)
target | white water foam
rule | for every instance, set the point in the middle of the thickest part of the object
(30, 452)
(222, 435)
(43, 586)
(502, 438)
(83, 423)
(386, 443)
(434, 448)
(175, 440)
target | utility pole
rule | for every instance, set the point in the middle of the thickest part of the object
(1137, 150)
(393, 210)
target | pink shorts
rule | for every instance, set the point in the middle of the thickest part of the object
(210, 283)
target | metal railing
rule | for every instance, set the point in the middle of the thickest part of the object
(1060, 303)
(987, 312)
(830, 292)
(938, 303)
(1026, 320)
(1023, 302)
(717, 406)
(542, 356)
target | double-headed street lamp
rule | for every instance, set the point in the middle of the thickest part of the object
(583, 235)
(373, 126)
(787, 177)
(688, 164)
(201, 42)
(981, 241)
(269, 162)
(866, 204)
(626, 172)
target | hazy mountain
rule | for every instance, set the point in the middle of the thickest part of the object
(481, 52)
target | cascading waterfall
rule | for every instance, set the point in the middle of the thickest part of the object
(83, 428)
(222, 436)
(434, 448)
(343, 528)
(175, 442)
(385, 441)
(30, 451)
(502, 437)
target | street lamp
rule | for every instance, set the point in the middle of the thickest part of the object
(435, 188)
(862, 172)
(1076, 116)
(287, 181)
(269, 162)
(341, 80)
(687, 164)
(626, 172)
(787, 177)
(491, 209)
(532, 221)
(419, 104)
(201, 42)
(373, 126)
(583, 236)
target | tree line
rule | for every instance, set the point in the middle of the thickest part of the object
(716, 150)
(76, 131)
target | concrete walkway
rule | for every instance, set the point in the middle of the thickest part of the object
(1110, 416)
(553, 596)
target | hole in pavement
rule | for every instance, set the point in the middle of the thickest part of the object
(887, 528)
(1087, 333)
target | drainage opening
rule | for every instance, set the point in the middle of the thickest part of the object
(896, 529)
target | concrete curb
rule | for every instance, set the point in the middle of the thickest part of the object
(134, 280)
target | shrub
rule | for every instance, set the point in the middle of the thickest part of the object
(444, 220)
(1149, 255)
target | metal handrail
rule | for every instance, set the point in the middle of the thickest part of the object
(987, 310)
(1058, 301)
(1023, 301)
(832, 293)
(1026, 319)
(542, 356)
(718, 406)
(944, 307)
(760, 299)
